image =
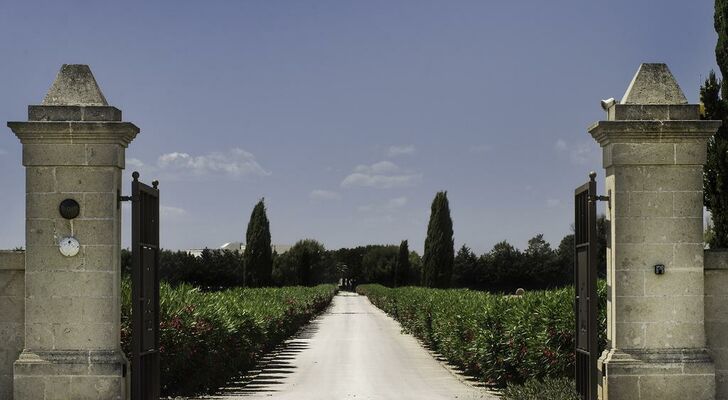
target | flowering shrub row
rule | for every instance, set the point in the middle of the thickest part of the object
(207, 338)
(499, 339)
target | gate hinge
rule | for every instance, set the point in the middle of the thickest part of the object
(121, 198)
(598, 198)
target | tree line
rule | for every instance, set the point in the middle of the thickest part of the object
(308, 262)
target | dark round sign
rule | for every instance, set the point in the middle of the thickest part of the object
(69, 209)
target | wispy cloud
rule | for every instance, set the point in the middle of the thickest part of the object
(172, 212)
(384, 175)
(579, 153)
(134, 162)
(324, 195)
(394, 151)
(233, 163)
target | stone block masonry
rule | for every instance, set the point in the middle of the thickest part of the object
(716, 316)
(654, 147)
(12, 316)
(73, 148)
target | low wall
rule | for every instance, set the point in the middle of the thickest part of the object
(12, 316)
(716, 316)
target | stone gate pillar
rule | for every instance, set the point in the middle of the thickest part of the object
(654, 147)
(73, 148)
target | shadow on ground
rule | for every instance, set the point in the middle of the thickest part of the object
(272, 369)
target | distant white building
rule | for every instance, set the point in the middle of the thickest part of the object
(240, 247)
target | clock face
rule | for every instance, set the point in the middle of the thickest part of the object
(69, 246)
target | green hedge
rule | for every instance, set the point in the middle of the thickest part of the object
(550, 388)
(207, 338)
(499, 339)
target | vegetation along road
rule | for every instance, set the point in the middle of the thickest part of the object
(355, 351)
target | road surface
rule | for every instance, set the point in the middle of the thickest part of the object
(354, 351)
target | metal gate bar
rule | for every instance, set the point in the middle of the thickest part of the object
(145, 290)
(585, 287)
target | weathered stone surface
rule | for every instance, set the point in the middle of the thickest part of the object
(12, 316)
(73, 113)
(716, 315)
(642, 112)
(657, 374)
(73, 147)
(654, 84)
(70, 375)
(75, 85)
(654, 150)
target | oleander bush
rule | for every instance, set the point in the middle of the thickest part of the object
(499, 339)
(549, 388)
(207, 338)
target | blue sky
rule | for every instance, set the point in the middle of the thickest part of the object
(348, 116)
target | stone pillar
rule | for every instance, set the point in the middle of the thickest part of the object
(654, 147)
(73, 148)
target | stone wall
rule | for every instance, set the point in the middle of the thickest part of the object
(12, 316)
(716, 316)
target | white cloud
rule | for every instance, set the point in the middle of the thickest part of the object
(324, 195)
(384, 175)
(134, 162)
(395, 151)
(235, 163)
(579, 153)
(171, 212)
(481, 148)
(381, 167)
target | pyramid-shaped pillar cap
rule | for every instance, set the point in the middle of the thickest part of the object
(654, 84)
(75, 85)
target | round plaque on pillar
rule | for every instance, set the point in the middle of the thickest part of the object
(69, 246)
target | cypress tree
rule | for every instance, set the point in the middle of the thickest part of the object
(715, 173)
(402, 267)
(720, 23)
(258, 255)
(439, 254)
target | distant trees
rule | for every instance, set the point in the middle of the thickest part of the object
(438, 258)
(402, 267)
(258, 255)
(306, 263)
(212, 270)
(379, 264)
(466, 271)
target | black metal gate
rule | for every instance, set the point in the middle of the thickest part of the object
(145, 290)
(585, 285)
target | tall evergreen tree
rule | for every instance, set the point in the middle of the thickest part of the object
(402, 267)
(720, 23)
(713, 96)
(439, 255)
(258, 255)
(715, 177)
